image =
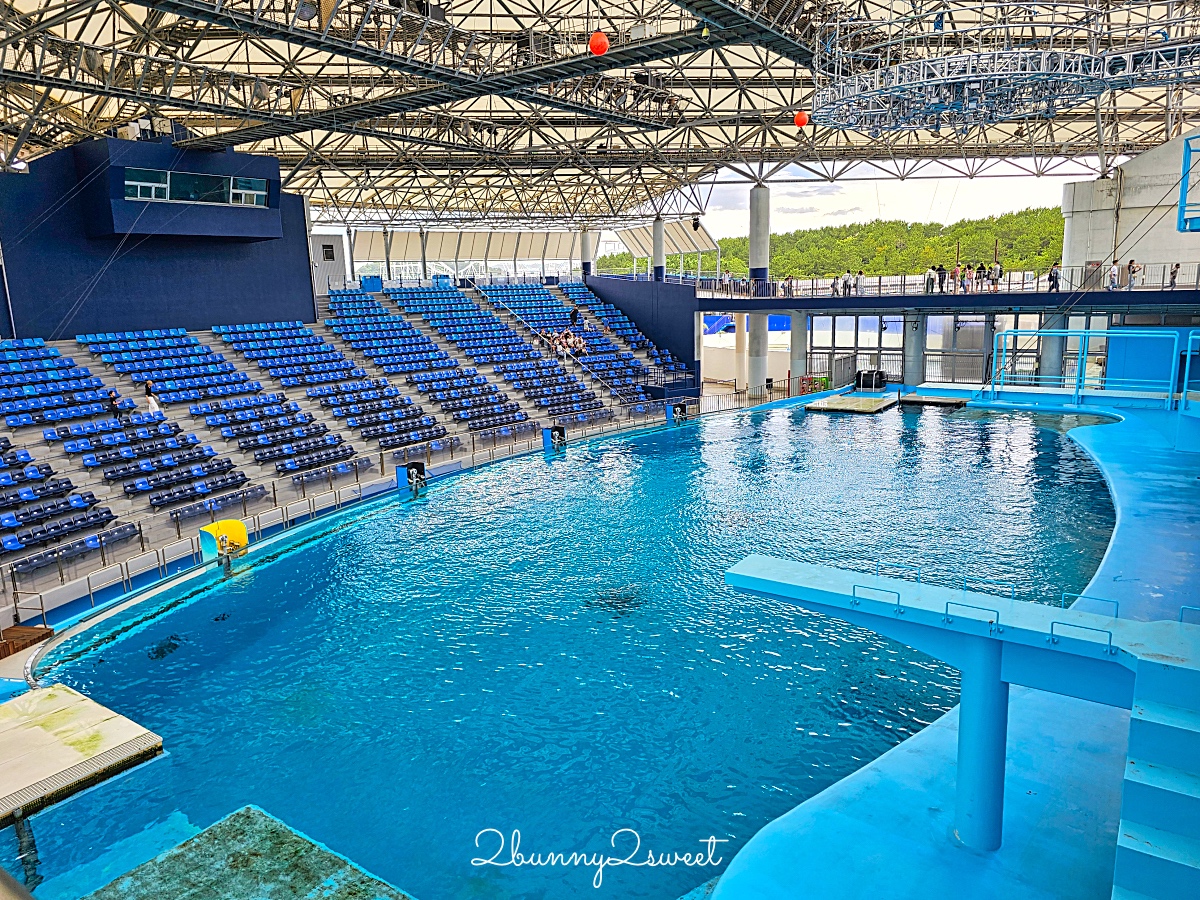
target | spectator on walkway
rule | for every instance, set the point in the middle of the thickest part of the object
(1132, 271)
(1174, 276)
(981, 278)
(955, 278)
(1054, 277)
(833, 286)
(1114, 275)
(997, 274)
(860, 283)
(930, 276)
(968, 279)
(941, 276)
(847, 281)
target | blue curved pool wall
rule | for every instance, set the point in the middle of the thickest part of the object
(655, 630)
(1111, 707)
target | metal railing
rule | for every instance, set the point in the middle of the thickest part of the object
(954, 367)
(1157, 276)
(1088, 371)
(836, 366)
(798, 386)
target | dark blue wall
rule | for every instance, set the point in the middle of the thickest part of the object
(200, 265)
(663, 311)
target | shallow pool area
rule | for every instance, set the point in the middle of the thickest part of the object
(548, 646)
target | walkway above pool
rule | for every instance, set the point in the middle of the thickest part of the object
(55, 742)
(248, 855)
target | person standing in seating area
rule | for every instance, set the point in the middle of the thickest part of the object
(151, 400)
(574, 316)
(114, 407)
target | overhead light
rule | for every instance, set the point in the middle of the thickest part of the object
(306, 10)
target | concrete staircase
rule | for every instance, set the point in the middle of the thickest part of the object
(1158, 844)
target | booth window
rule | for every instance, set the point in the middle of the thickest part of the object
(145, 184)
(249, 192)
(327, 252)
(194, 188)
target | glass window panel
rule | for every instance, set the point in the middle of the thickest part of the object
(939, 332)
(969, 333)
(844, 331)
(193, 188)
(131, 191)
(1005, 322)
(868, 332)
(893, 332)
(145, 176)
(249, 184)
(822, 331)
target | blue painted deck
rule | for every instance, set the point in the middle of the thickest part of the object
(885, 831)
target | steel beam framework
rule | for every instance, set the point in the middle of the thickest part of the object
(493, 111)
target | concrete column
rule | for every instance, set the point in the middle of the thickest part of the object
(756, 357)
(424, 261)
(1050, 360)
(989, 338)
(798, 358)
(982, 735)
(387, 255)
(760, 233)
(587, 251)
(350, 234)
(739, 351)
(660, 252)
(914, 349)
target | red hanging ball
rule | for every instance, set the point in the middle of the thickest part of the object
(801, 119)
(598, 44)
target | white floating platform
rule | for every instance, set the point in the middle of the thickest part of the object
(55, 742)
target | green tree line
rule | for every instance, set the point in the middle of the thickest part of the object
(1029, 240)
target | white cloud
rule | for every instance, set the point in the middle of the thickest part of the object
(946, 200)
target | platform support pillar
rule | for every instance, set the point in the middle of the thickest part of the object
(756, 357)
(739, 351)
(659, 249)
(982, 736)
(587, 251)
(914, 349)
(760, 239)
(1050, 360)
(798, 356)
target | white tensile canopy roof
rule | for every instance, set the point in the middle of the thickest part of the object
(369, 246)
(678, 237)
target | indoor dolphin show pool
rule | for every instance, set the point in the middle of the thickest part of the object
(534, 681)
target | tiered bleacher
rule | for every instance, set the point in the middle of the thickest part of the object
(39, 386)
(620, 325)
(460, 391)
(618, 370)
(182, 369)
(150, 456)
(275, 431)
(393, 344)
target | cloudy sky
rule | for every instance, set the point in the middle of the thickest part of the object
(945, 200)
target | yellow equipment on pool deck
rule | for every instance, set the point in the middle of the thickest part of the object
(223, 538)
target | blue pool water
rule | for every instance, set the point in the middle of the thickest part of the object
(548, 646)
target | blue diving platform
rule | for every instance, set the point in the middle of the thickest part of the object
(1071, 767)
